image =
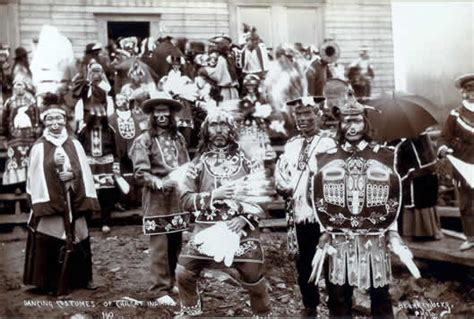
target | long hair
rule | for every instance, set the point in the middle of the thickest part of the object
(21, 58)
(173, 127)
(204, 137)
(368, 133)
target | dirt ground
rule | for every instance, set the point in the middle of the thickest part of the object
(120, 263)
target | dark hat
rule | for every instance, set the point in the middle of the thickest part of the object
(21, 52)
(160, 98)
(463, 79)
(95, 46)
(128, 43)
(220, 38)
(197, 47)
(312, 101)
(251, 79)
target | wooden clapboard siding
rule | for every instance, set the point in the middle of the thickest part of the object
(351, 22)
(363, 22)
(83, 20)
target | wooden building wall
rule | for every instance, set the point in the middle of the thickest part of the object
(80, 20)
(351, 22)
(364, 22)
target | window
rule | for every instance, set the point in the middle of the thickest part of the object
(279, 22)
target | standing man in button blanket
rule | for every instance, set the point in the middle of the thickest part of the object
(209, 192)
(293, 173)
(457, 138)
(61, 191)
(155, 155)
(356, 195)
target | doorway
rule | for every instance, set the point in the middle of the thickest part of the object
(122, 29)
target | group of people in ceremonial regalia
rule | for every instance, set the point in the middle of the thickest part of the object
(187, 134)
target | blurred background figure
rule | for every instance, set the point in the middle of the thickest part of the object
(457, 139)
(222, 69)
(252, 123)
(253, 58)
(361, 74)
(20, 124)
(98, 139)
(319, 71)
(164, 48)
(21, 69)
(5, 73)
(416, 164)
(126, 125)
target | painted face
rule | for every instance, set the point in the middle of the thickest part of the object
(353, 127)
(306, 120)
(161, 116)
(219, 133)
(19, 88)
(468, 92)
(122, 102)
(95, 75)
(252, 43)
(3, 55)
(251, 87)
(136, 76)
(212, 59)
(176, 67)
(55, 122)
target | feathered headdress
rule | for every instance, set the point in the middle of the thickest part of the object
(52, 60)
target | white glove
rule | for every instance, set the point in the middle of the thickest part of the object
(203, 239)
(324, 248)
(212, 245)
(403, 252)
(232, 245)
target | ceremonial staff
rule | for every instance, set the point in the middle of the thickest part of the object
(67, 250)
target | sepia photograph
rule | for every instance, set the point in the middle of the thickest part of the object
(236, 158)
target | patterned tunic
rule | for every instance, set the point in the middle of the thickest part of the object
(21, 121)
(206, 173)
(158, 157)
(99, 144)
(357, 196)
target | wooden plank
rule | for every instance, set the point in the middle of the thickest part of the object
(276, 222)
(12, 197)
(448, 211)
(32, 14)
(454, 234)
(338, 15)
(190, 23)
(59, 22)
(128, 3)
(204, 9)
(199, 17)
(13, 219)
(359, 25)
(62, 28)
(446, 250)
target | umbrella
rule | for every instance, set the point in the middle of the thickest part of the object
(400, 115)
